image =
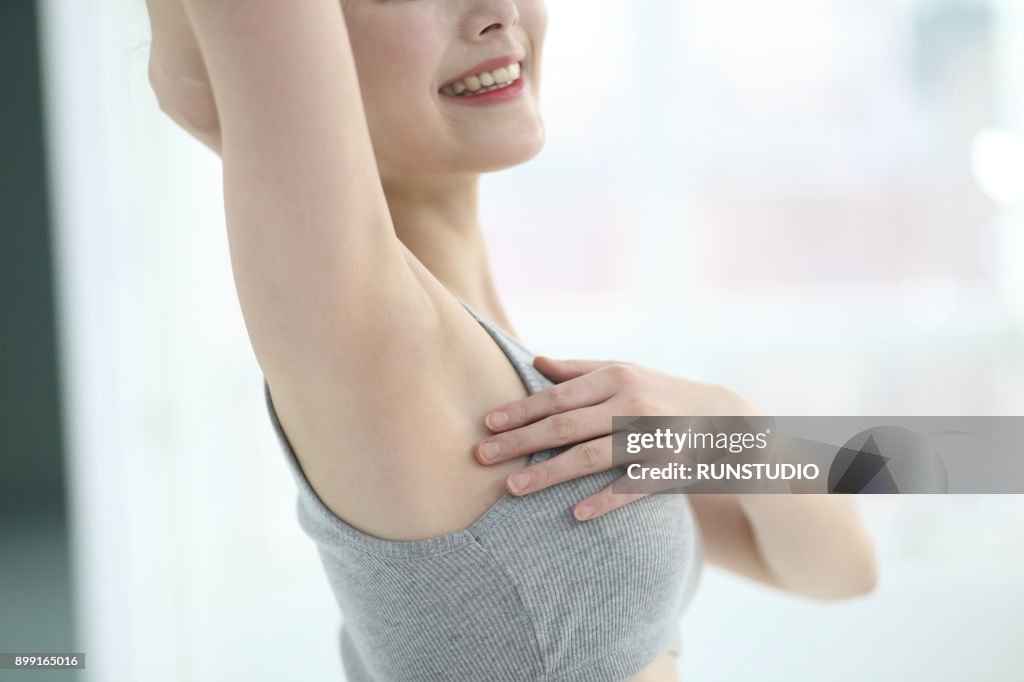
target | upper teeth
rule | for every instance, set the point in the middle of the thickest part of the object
(485, 80)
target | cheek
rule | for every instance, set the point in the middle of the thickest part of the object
(396, 58)
(399, 68)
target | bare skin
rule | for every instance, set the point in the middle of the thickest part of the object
(350, 289)
(446, 253)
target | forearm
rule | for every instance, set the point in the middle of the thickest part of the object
(813, 544)
(178, 75)
(274, 65)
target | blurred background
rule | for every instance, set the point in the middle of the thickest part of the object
(818, 203)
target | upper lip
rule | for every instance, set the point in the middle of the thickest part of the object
(489, 65)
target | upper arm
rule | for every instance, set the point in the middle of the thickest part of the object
(318, 268)
(728, 537)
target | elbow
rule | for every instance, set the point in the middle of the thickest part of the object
(858, 578)
(853, 569)
(195, 116)
(843, 572)
(869, 582)
(862, 585)
(187, 102)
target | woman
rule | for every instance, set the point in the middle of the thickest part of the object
(353, 138)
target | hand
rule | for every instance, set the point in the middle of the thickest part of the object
(178, 75)
(579, 408)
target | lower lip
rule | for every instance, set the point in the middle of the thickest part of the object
(492, 97)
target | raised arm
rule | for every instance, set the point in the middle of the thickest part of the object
(178, 75)
(319, 271)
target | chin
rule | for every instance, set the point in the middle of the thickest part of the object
(509, 155)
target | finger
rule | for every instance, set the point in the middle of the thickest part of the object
(604, 501)
(562, 370)
(581, 460)
(581, 391)
(564, 428)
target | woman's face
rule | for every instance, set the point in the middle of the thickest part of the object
(405, 50)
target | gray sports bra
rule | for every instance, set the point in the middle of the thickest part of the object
(526, 593)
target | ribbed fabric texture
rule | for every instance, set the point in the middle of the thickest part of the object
(527, 593)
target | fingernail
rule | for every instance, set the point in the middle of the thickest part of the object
(519, 481)
(584, 512)
(489, 451)
(496, 419)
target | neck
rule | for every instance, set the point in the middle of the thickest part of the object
(438, 222)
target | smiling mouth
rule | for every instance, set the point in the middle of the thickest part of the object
(488, 81)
